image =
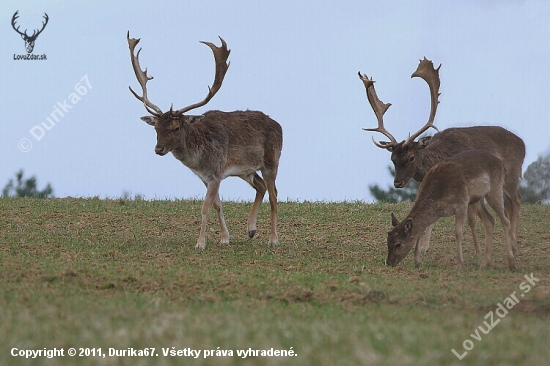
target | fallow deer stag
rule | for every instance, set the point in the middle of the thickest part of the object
(448, 189)
(217, 145)
(413, 159)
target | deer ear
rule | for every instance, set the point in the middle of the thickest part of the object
(150, 120)
(408, 227)
(191, 119)
(424, 142)
(394, 221)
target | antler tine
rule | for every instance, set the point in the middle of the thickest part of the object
(379, 109)
(142, 77)
(13, 20)
(220, 56)
(427, 72)
(43, 24)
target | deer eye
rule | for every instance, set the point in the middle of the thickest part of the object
(397, 245)
(411, 159)
(177, 129)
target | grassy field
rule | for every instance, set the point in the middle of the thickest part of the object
(118, 274)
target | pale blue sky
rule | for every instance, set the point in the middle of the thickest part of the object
(297, 61)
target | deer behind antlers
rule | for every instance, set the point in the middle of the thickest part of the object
(217, 145)
(413, 159)
(448, 189)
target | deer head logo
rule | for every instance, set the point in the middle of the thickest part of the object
(29, 40)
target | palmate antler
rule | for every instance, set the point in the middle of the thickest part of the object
(427, 72)
(379, 109)
(220, 55)
(142, 77)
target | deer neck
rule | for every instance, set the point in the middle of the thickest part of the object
(428, 158)
(197, 147)
(423, 214)
(187, 151)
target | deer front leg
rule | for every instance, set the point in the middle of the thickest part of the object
(460, 217)
(418, 253)
(212, 189)
(425, 238)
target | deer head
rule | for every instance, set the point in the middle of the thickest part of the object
(400, 240)
(29, 40)
(171, 125)
(404, 154)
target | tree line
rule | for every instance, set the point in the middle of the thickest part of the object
(534, 187)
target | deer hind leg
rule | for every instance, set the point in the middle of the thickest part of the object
(495, 198)
(512, 203)
(269, 177)
(212, 198)
(489, 224)
(472, 210)
(259, 185)
(425, 239)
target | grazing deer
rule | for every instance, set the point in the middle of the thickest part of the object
(217, 145)
(413, 159)
(29, 40)
(448, 189)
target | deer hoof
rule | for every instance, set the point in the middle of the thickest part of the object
(485, 264)
(418, 265)
(251, 233)
(274, 243)
(200, 246)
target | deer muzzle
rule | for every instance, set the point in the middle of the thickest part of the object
(399, 183)
(160, 150)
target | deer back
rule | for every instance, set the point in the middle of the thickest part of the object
(415, 159)
(221, 144)
(460, 180)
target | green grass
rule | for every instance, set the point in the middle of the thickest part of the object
(90, 273)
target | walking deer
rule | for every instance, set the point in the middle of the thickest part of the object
(413, 159)
(217, 145)
(448, 189)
